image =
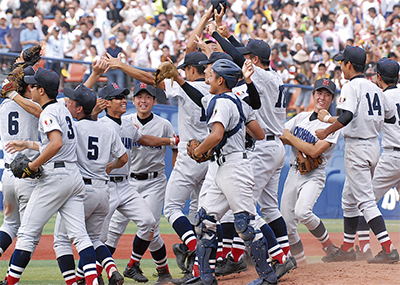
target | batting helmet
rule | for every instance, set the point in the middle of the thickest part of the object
(228, 70)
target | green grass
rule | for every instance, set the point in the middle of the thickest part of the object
(47, 271)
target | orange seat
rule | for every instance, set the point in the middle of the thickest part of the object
(75, 73)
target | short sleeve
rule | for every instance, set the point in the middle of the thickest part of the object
(347, 99)
(49, 123)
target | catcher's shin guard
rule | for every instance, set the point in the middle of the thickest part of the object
(258, 252)
(242, 227)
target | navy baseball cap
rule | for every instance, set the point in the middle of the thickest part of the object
(325, 83)
(83, 95)
(355, 55)
(46, 78)
(28, 71)
(257, 47)
(387, 67)
(112, 90)
(215, 56)
(193, 58)
(143, 86)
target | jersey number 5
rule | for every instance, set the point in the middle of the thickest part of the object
(375, 105)
(93, 152)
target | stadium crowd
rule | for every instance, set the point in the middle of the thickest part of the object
(304, 35)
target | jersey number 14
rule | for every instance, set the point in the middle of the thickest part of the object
(375, 105)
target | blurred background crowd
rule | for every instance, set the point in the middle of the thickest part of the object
(304, 35)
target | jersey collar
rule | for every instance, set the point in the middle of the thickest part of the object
(200, 79)
(48, 103)
(314, 116)
(358, 76)
(146, 120)
(117, 120)
(394, 86)
(88, 117)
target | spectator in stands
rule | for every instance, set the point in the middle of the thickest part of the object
(115, 75)
(13, 35)
(102, 22)
(3, 31)
(141, 43)
(44, 6)
(98, 40)
(321, 72)
(169, 35)
(70, 19)
(130, 11)
(58, 6)
(284, 55)
(125, 45)
(155, 53)
(79, 12)
(68, 40)
(177, 9)
(305, 94)
(58, 19)
(54, 49)
(243, 36)
(230, 20)
(27, 8)
(302, 62)
(166, 54)
(326, 60)
(79, 44)
(331, 49)
(29, 37)
(91, 58)
(328, 31)
(283, 72)
(86, 51)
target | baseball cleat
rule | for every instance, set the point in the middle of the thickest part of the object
(182, 280)
(197, 281)
(134, 272)
(340, 256)
(282, 269)
(229, 266)
(293, 259)
(180, 255)
(330, 249)
(385, 257)
(81, 281)
(116, 279)
(361, 256)
(260, 281)
(164, 277)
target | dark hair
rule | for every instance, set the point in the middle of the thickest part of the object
(392, 54)
(351, 40)
(93, 46)
(389, 80)
(52, 94)
(158, 40)
(165, 46)
(122, 31)
(322, 65)
(199, 68)
(65, 25)
(357, 67)
(87, 37)
(372, 9)
(263, 61)
(284, 48)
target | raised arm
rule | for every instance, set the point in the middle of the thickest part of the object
(198, 31)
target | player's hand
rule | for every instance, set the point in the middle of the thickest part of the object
(109, 167)
(285, 137)
(114, 62)
(209, 13)
(247, 70)
(322, 114)
(175, 140)
(224, 31)
(99, 66)
(99, 107)
(211, 27)
(321, 134)
(200, 43)
(32, 167)
(218, 16)
(14, 146)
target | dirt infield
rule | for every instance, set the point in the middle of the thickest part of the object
(355, 273)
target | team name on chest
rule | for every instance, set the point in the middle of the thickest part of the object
(127, 142)
(304, 135)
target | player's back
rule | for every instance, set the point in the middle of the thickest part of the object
(391, 132)
(17, 124)
(95, 144)
(272, 114)
(367, 103)
(56, 116)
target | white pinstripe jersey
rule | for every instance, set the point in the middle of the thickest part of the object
(17, 124)
(391, 132)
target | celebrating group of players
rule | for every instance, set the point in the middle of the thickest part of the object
(97, 175)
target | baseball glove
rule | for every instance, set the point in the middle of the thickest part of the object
(30, 56)
(192, 145)
(19, 166)
(306, 164)
(13, 82)
(165, 70)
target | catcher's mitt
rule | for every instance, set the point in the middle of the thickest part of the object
(30, 56)
(191, 146)
(306, 164)
(19, 166)
(14, 82)
(165, 70)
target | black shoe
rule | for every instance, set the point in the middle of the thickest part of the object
(385, 257)
(180, 281)
(197, 281)
(101, 280)
(180, 255)
(116, 279)
(331, 249)
(340, 256)
(361, 256)
(80, 281)
(282, 269)
(134, 272)
(229, 266)
(164, 277)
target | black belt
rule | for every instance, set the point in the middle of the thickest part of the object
(87, 181)
(363, 139)
(222, 159)
(270, 137)
(59, 164)
(6, 165)
(144, 176)
(117, 179)
(396, 148)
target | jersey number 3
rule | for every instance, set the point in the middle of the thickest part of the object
(374, 106)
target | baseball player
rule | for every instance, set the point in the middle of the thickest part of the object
(17, 124)
(268, 155)
(95, 145)
(60, 188)
(187, 175)
(123, 197)
(302, 191)
(147, 175)
(365, 108)
(233, 183)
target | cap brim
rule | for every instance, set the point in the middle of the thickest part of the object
(68, 92)
(205, 62)
(116, 92)
(30, 79)
(151, 93)
(326, 87)
(243, 50)
(338, 57)
(182, 66)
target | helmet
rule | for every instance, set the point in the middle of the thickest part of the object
(228, 70)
